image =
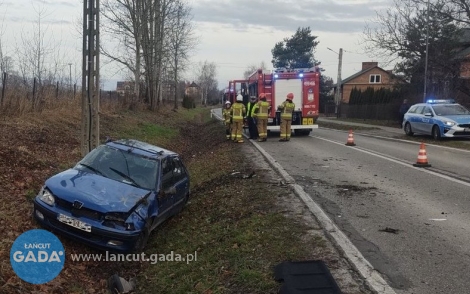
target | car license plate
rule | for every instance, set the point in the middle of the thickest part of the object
(74, 223)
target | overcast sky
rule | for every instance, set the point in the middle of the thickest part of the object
(233, 34)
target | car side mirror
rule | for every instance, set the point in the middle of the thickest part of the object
(428, 114)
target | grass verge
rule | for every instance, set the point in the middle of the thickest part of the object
(233, 224)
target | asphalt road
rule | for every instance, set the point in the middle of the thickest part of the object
(412, 224)
(365, 192)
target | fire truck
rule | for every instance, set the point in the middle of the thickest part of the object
(304, 83)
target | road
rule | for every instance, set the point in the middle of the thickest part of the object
(373, 188)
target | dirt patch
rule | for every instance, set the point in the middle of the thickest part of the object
(351, 190)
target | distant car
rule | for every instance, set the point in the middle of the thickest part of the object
(115, 196)
(438, 118)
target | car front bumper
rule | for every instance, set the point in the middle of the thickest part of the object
(456, 131)
(99, 237)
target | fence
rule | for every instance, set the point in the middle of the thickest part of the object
(367, 111)
(20, 95)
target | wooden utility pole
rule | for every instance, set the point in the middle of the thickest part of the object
(90, 77)
(338, 93)
(338, 82)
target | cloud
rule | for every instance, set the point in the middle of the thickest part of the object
(319, 15)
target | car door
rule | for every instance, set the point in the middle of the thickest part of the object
(427, 120)
(181, 181)
(164, 197)
(417, 120)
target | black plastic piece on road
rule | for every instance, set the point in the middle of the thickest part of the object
(306, 277)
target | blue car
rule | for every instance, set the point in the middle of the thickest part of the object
(115, 196)
(438, 118)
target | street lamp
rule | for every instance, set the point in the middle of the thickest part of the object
(338, 82)
(427, 48)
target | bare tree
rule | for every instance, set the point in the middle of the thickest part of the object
(399, 35)
(206, 78)
(180, 41)
(123, 23)
(457, 10)
(252, 68)
(39, 54)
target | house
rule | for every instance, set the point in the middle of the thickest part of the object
(124, 87)
(463, 53)
(371, 76)
(192, 89)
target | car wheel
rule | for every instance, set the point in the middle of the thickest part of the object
(408, 130)
(436, 133)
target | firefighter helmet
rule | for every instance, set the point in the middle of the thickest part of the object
(262, 95)
(227, 102)
(290, 96)
(239, 98)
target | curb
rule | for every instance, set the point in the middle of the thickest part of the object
(372, 278)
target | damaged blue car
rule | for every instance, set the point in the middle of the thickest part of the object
(115, 196)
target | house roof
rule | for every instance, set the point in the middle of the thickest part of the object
(462, 54)
(348, 79)
(193, 85)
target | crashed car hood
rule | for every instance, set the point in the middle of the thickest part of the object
(94, 191)
(460, 119)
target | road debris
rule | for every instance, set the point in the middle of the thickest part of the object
(118, 285)
(389, 230)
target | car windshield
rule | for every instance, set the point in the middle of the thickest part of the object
(121, 166)
(452, 109)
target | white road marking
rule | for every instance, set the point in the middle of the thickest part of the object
(396, 161)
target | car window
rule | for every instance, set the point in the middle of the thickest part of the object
(121, 166)
(167, 173)
(450, 109)
(413, 109)
(419, 109)
(427, 109)
(179, 172)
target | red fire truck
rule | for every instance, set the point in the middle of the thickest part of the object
(304, 83)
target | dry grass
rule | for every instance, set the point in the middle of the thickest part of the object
(233, 224)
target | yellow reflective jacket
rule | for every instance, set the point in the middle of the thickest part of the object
(250, 107)
(286, 109)
(226, 115)
(261, 109)
(237, 111)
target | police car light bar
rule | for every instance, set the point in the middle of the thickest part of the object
(435, 101)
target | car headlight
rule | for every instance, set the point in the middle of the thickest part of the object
(46, 196)
(449, 123)
(118, 220)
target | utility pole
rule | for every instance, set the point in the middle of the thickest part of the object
(90, 76)
(338, 82)
(426, 62)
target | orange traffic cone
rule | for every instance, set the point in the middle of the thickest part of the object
(422, 157)
(350, 141)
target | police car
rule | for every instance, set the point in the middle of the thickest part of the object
(438, 118)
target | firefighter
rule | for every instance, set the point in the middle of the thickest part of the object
(261, 113)
(237, 111)
(250, 107)
(227, 119)
(287, 108)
